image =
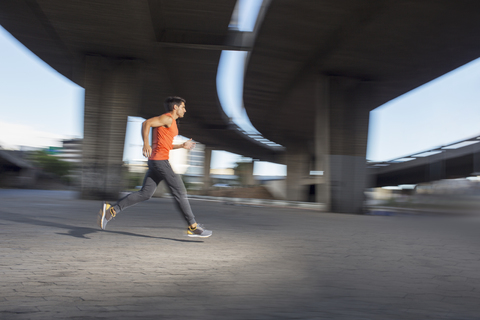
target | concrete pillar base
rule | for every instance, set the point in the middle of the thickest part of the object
(101, 181)
(347, 183)
(297, 171)
(111, 93)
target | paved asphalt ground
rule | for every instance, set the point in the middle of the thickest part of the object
(260, 263)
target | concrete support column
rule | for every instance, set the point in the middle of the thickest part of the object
(244, 172)
(337, 150)
(348, 143)
(207, 180)
(249, 179)
(322, 140)
(347, 183)
(111, 94)
(297, 171)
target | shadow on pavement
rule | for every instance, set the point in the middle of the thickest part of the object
(147, 236)
(76, 231)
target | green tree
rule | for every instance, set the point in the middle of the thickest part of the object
(51, 164)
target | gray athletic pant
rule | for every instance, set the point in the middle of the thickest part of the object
(159, 170)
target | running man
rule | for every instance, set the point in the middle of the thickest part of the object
(164, 130)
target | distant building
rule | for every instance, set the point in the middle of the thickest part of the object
(196, 159)
(70, 151)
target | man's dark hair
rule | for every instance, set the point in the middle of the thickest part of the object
(171, 101)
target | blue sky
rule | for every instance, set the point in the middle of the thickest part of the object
(38, 107)
(440, 112)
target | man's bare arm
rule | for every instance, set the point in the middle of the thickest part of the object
(160, 121)
(189, 145)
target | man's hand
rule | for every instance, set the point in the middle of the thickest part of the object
(147, 150)
(189, 145)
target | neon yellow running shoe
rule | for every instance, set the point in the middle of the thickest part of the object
(105, 214)
(198, 231)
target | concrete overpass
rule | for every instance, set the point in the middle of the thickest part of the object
(315, 70)
(456, 160)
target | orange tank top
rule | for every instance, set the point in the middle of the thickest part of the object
(162, 141)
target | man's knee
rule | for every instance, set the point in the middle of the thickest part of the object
(146, 195)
